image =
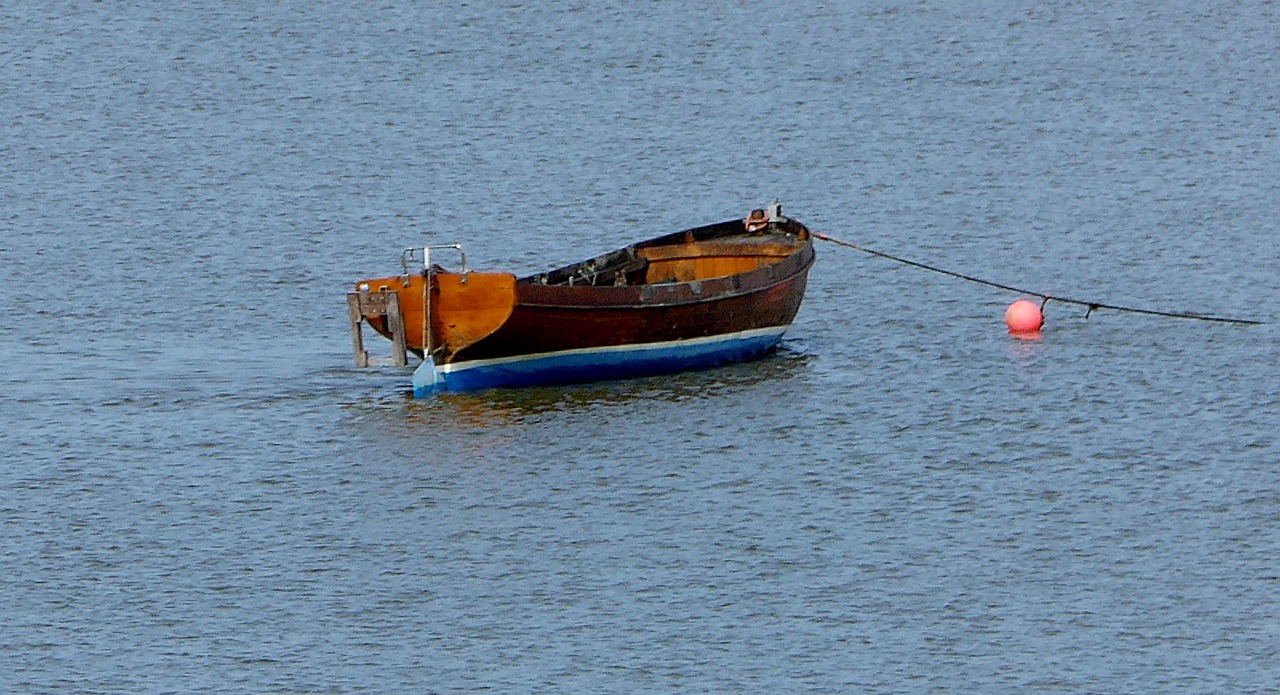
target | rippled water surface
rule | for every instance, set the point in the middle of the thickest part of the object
(199, 493)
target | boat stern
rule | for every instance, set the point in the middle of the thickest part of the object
(432, 313)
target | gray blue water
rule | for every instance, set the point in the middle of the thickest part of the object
(199, 493)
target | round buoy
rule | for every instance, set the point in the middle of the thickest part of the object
(1023, 316)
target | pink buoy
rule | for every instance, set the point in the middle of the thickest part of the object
(1023, 316)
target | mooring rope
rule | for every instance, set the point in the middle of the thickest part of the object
(1045, 298)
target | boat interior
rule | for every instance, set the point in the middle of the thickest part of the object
(682, 257)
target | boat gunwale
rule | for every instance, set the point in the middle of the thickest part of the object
(669, 294)
(791, 236)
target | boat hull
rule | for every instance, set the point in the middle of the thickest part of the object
(695, 299)
(598, 363)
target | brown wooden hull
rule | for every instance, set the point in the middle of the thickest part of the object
(550, 319)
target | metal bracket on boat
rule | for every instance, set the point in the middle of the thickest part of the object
(775, 212)
(411, 254)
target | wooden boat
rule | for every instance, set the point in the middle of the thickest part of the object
(697, 298)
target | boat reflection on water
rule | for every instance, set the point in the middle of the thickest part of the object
(498, 407)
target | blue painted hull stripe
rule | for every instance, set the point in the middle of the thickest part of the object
(590, 364)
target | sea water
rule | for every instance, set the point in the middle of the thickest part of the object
(199, 492)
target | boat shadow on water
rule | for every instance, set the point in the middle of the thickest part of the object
(503, 406)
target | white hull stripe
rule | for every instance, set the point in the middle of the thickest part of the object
(634, 349)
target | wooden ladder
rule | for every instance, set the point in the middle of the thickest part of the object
(384, 303)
